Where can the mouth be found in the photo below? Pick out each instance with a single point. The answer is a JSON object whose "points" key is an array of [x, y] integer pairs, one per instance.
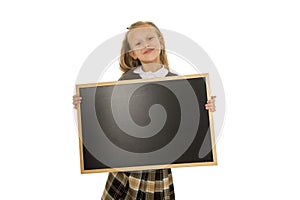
{"points": [[149, 50]]}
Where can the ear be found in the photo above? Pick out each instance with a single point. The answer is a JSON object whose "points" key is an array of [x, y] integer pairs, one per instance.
{"points": [[132, 55]]}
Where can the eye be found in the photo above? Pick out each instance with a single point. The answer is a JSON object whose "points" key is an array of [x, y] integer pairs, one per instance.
{"points": [[150, 38], [137, 44]]}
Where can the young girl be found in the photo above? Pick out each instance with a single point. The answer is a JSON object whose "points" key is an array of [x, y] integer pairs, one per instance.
{"points": [[143, 55]]}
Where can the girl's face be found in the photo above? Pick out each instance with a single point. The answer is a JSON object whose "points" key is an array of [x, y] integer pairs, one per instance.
{"points": [[145, 44]]}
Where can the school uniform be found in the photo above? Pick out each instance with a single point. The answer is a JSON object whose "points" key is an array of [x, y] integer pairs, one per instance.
{"points": [[141, 185]]}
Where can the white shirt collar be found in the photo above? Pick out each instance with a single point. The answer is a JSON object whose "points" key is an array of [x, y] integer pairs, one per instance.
{"points": [[162, 72]]}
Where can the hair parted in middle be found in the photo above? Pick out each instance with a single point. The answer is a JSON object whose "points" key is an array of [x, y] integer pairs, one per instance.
{"points": [[126, 61]]}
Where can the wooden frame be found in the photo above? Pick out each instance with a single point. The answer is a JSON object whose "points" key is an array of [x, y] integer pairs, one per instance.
{"points": [[93, 149]]}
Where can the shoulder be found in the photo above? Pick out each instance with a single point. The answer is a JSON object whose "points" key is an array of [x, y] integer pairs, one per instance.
{"points": [[172, 74], [129, 75]]}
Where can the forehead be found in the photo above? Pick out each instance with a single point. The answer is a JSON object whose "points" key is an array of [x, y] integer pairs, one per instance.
{"points": [[141, 32]]}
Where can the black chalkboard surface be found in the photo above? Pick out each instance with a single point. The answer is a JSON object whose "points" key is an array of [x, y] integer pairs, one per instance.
{"points": [[145, 124]]}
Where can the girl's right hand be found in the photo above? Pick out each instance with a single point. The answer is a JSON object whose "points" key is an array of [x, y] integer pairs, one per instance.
{"points": [[76, 101]]}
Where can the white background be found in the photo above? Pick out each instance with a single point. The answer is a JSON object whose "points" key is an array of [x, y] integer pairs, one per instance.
{"points": [[255, 46]]}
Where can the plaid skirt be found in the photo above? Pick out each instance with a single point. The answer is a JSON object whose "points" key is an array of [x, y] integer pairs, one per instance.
{"points": [[141, 185]]}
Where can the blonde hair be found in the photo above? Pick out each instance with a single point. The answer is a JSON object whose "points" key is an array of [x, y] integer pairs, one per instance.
{"points": [[127, 62]]}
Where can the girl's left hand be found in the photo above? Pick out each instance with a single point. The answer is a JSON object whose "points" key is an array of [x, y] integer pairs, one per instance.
{"points": [[210, 106]]}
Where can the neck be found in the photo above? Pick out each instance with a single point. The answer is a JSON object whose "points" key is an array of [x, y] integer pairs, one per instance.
{"points": [[151, 67]]}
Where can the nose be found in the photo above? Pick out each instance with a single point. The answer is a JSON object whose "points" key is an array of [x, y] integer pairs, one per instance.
{"points": [[146, 44]]}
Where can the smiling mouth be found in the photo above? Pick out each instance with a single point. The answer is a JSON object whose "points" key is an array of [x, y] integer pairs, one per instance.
{"points": [[148, 51]]}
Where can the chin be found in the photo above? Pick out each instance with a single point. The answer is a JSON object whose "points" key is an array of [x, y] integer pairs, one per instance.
{"points": [[151, 59]]}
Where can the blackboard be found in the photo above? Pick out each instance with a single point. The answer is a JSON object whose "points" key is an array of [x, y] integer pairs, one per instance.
{"points": [[145, 124]]}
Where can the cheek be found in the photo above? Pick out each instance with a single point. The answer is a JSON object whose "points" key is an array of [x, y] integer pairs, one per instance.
{"points": [[138, 53], [156, 44]]}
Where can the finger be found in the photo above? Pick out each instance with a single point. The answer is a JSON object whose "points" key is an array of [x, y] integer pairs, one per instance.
{"points": [[211, 100], [77, 98], [209, 107], [76, 102], [210, 104]]}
